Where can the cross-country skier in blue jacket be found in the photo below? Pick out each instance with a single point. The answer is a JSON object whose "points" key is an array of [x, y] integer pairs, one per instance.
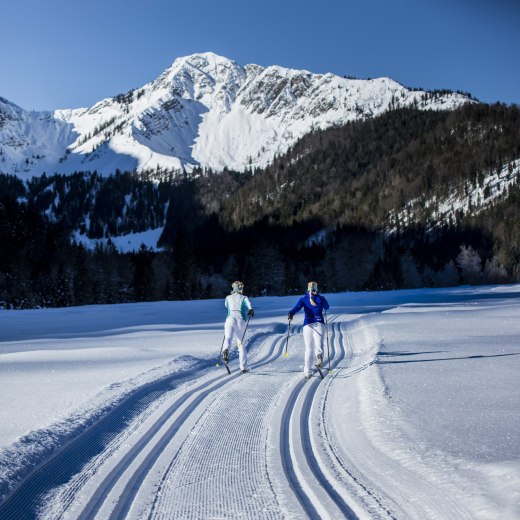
{"points": [[313, 305]]}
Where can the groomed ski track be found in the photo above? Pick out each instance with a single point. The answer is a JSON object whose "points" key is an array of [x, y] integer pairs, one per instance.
{"points": [[266, 444]]}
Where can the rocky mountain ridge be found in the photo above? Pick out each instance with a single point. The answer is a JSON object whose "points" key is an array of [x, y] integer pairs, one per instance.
{"points": [[204, 111]]}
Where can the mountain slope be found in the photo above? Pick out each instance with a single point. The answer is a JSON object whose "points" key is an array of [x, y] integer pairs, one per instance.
{"points": [[363, 172], [382, 203], [206, 111]]}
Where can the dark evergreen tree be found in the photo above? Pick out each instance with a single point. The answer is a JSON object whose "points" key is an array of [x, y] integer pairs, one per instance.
{"points": [[143, 281], [184, 269]]}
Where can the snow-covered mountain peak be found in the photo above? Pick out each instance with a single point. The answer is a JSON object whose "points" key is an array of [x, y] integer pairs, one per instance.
{"points": [[204, 110], [206, 62], [8, 111], [5, 103], [196, 77]]}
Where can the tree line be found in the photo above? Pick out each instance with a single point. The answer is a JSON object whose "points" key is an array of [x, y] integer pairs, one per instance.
{"points": [[320, 211]]}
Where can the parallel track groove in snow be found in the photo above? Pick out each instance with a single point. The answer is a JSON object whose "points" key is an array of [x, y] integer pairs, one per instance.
{"points": [[335, 460], [287, 459], [26, 500], [386, 487], [231, 468], [264, 445], [309, 449], [108, 483], [296, 446]]}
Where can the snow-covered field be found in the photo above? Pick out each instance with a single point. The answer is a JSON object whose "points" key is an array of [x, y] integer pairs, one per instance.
{"points": [[124, 414]]}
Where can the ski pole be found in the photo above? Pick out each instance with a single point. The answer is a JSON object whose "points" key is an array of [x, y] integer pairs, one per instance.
{"points": [[287, 342], [327, 332], [245, 330], [221, 347]]}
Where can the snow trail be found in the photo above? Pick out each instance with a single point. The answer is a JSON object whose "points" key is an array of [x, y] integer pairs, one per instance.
{"points": [[206, 450], [391, 480], [268, 444]]}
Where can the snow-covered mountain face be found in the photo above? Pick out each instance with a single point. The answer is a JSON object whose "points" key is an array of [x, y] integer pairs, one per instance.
{"points": [[205, 110], [32, 142]]}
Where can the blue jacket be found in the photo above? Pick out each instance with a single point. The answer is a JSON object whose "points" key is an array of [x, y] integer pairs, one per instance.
{"points": [[313, 313]]}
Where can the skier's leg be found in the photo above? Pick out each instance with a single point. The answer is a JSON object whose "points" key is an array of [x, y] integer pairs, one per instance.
{"points": [[243, 353], [240, 328], [228, 336], [229, 332], [319, 337], [309, 350]]}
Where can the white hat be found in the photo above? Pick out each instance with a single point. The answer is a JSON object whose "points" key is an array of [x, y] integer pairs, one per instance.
{"points": [[237, 286]]}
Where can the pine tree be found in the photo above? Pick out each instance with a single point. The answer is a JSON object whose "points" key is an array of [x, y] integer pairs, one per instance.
{"points": [[143, 280], [470, 264]]}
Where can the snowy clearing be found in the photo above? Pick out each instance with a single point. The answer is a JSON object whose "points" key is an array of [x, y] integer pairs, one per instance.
{"points": [[120, 412]]}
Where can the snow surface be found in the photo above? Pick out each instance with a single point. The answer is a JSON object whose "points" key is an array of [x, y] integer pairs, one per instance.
{"points": [[417, 419], [129, 243]]}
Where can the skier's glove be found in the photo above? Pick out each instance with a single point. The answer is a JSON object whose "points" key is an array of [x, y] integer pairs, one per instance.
{"points": [[251, 312], [289, 316]]}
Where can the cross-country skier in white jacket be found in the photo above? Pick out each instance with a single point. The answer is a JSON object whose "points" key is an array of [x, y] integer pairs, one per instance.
{"points": [[239, 308]]}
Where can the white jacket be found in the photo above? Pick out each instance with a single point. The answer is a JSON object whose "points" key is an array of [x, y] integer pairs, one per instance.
{"points": [[237, 305]]}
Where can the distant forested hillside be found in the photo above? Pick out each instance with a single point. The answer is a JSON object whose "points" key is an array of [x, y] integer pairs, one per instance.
{"points": [[356, 174], [402, 200]]}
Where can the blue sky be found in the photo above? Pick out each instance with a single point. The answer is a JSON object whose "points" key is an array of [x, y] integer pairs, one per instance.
{"points": [[73, 53]]}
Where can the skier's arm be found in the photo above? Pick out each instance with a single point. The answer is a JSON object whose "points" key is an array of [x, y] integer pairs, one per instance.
{"points": [[326, 305], [296, 308], [226, 303], [250, 311]]}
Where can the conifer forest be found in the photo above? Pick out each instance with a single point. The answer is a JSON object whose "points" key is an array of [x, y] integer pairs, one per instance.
{"points": [[403, 200]]}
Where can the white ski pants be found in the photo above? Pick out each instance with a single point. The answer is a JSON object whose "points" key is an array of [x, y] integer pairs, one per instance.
{"points": [[234, 330], [314, 337]]}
